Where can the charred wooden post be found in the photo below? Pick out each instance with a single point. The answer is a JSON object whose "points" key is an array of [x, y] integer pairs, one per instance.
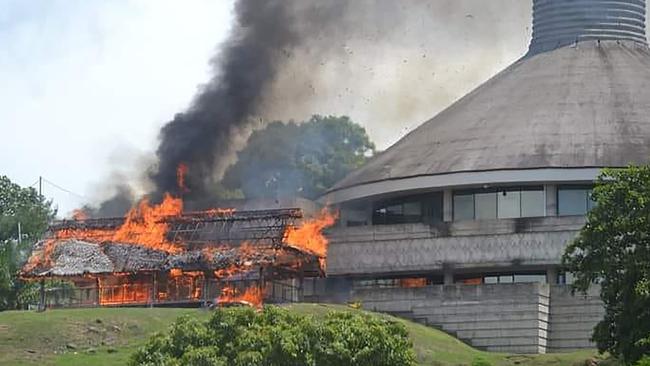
{"points": [[41, 303]]}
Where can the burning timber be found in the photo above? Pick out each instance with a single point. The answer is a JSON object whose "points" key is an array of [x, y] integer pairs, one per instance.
{"points": [[200, 257]]}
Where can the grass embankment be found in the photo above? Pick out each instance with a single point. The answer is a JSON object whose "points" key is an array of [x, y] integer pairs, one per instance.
{"points": [[107, 336]]}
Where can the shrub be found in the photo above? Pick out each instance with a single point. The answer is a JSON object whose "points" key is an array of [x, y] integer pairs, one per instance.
{"points": [[480, 362], [644, 361], [275, 337]]}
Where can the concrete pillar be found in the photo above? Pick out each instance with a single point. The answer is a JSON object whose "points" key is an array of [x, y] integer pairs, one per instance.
{"points": [[448, 274], [447, 205], [551, 199], [551, 275]]}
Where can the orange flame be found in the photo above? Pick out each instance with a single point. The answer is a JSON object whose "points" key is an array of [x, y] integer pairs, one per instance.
{"points": [[253, 296], [143, 226], [309, 236], [181, 172], [79, 214]]}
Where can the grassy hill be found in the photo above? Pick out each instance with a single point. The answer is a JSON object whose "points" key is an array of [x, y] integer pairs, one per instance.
{"points": [[107, 336]]}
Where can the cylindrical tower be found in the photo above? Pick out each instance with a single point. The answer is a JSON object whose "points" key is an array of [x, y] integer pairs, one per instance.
{"points": [[558, 23]]}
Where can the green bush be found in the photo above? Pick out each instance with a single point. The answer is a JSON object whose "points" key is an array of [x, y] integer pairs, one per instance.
{"points": [[277, 337], [480, 362], [644, 361]]}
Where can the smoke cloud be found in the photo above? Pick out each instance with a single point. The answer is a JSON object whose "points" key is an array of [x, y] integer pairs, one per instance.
{"points": [[389, 65]]}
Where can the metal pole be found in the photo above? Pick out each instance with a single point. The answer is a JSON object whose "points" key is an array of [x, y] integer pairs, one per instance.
{"points": [[40, 185], [20, 233]]}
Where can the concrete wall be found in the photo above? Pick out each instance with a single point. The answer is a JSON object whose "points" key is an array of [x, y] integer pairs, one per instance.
{"points": [[499, 318], [572, 318], [517, 318], [368, 250]]}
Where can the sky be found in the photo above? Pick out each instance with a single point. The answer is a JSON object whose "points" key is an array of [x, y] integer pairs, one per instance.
{"points": [[86, 85]]}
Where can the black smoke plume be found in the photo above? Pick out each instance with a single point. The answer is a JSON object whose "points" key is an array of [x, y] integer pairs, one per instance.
{"points": [[264, 36], [387, 64]]}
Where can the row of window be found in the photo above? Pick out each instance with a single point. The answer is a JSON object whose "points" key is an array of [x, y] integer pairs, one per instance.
{"points": [[503, 203], [484, 204], [507, 203]]}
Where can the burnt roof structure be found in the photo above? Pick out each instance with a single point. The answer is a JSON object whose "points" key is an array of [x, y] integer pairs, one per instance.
{"points": [[207, 241], [580, 98]]}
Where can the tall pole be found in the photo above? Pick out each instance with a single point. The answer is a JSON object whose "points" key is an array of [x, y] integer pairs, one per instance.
{"points": [[20, 234], [41, 306]]}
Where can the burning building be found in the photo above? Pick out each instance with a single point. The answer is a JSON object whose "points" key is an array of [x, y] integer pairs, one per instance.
{"points": [[462, 223], [159, 255]]}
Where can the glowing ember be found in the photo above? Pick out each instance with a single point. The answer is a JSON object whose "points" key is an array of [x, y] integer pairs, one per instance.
{"points": [[309, 236], [413, 282], [123, 292], [253, 296]]}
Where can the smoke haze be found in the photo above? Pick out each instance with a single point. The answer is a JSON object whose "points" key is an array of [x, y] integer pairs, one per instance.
{"points": [[389, 65]]}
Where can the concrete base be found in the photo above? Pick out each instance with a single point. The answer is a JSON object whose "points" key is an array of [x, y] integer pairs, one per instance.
{"points": [[514, 318]]}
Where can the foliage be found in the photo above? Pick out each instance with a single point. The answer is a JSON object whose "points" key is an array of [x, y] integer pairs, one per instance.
{"points": [[613, 249], [645, 361], [480, 362], [33, 212], [276, 336], [299, 159]]}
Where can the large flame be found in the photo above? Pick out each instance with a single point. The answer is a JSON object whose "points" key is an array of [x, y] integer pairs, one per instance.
{"points": [[309, 235], [143, 225], [253, 296]]}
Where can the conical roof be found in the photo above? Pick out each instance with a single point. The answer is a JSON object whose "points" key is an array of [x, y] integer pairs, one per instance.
{"points": [[586, 104]]}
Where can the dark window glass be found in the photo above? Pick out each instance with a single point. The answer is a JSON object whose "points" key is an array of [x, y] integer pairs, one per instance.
{"points": [[463, 207], [574, 200], [411, 209]]}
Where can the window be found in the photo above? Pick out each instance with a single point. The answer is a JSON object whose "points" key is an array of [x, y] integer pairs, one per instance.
{"points": [[574, 200], [503, 203], [463, 207], [485, 206], [533, 203], [411, 209], [509, 204]]}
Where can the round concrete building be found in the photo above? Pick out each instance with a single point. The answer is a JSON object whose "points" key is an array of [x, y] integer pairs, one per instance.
{"points": [[478, 203]]}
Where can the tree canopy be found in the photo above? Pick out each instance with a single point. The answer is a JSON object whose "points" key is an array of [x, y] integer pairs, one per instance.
{"points": [[33, 212], [299, 159], [613, 249], [277, 337]]}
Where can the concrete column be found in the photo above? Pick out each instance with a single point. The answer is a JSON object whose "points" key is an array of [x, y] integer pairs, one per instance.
{"points": [[448, 274], [551, 199], [551, 275], [447, 205]]}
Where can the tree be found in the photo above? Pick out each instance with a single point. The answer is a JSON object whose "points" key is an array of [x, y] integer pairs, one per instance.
{"points": [[277, 337], [613, 249], [289, 159], [33, 212]]}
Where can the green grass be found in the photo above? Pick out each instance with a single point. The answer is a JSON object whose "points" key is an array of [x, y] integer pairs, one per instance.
{"points": [[107, 336], [99, 336]]}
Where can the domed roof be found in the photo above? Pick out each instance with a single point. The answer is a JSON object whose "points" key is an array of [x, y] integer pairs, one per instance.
{"points": [[582, 106]]}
